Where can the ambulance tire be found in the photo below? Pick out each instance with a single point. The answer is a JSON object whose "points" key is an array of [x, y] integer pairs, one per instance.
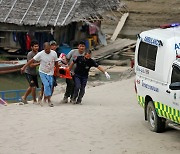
{"points": [[156, 124]]}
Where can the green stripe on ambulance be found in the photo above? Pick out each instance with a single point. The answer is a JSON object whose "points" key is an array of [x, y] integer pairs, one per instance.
{"points": [[163, 110]]}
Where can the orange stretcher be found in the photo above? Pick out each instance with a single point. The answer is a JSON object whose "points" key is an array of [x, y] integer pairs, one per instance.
{"points": [[64, 72]]}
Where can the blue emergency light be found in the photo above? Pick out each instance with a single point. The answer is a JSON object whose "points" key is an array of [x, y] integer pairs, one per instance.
{"points": [[175, 25], [170, 25]]}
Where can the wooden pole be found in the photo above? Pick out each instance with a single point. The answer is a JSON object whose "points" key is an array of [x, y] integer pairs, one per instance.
{"points": [[119, 26]]}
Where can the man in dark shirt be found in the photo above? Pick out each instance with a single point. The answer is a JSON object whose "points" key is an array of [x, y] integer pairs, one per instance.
{"points": [[73, 54], [81, 72], [31, 73]]}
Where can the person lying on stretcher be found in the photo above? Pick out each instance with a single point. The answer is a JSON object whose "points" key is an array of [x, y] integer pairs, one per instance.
{"points": [[63, 69]]}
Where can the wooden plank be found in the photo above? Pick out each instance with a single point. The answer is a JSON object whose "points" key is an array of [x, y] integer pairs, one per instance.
{"points": [[115, 62], [119, 26], [12, 50], [13, 56], [116, 47]]}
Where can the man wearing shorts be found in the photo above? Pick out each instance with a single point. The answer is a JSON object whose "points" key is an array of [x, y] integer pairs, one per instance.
{"points": [[53, 46], [48, 59], [31, 74]]}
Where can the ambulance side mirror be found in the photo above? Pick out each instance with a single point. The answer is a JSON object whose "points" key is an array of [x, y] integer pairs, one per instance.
{"points": [[174, 86]]}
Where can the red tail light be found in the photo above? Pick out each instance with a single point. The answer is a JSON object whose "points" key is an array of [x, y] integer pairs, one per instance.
{"points": [[177, 56]]}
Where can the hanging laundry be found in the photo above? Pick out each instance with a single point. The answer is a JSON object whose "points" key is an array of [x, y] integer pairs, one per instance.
{"points": [[28, 42], [93, 28], [14, 36], [84, 28], [42, 37], [21, 37]]}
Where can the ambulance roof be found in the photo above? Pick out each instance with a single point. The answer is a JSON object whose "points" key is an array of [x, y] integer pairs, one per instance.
{"points": [[162, 34]]}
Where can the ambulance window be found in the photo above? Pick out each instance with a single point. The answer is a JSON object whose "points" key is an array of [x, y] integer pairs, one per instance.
{"points": [[147, 55], [175, 74]]}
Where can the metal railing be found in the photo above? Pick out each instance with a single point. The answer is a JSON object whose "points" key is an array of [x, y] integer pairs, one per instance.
{"points": [[14, 95]]}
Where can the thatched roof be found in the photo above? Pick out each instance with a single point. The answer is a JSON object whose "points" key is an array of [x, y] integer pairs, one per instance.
{"points": [[53, 12]]}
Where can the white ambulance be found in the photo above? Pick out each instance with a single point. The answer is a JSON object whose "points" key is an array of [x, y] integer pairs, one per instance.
{"points": [[157, 83]]}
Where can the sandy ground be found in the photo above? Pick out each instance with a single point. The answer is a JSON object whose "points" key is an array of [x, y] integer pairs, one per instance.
{"points": [[109, 122]]}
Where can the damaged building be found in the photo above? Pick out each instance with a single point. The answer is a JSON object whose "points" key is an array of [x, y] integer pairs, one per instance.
{"points": [[66, 21]]}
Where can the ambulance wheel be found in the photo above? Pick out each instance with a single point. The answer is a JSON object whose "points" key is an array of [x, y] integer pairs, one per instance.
{"points": [[156, 124]]}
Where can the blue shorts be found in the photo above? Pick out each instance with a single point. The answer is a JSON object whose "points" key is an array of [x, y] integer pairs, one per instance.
{"points": [[47, 81]]}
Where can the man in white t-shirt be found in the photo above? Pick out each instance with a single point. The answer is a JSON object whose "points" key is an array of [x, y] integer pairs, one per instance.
{"points": [[48, 59]]}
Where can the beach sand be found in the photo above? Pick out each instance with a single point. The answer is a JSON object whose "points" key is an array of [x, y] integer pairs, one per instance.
{"points": [[110, 121]]}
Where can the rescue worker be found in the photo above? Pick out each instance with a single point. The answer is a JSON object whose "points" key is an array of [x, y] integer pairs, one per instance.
{"points": [[31, 74], [48, 59], [83, 65], [53, 46], [72, 55]]}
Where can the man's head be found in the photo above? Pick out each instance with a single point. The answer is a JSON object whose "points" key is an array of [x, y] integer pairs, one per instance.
{"points": [[34, 46], [53, 45], [87, 54], [47, 47], [81, 47]]}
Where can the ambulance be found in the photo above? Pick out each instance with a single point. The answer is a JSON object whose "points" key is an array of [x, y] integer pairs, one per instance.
{"points": [[157, 82]]}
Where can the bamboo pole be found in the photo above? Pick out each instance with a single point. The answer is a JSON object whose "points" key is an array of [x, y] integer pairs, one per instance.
{"points": [[59, 13], [42, 11], [10, 10]]}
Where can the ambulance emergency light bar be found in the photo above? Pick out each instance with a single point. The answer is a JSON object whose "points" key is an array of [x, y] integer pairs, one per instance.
{"points": [[169, 25]]}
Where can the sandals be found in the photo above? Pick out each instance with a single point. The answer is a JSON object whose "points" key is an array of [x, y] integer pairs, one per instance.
{"points": [[23, 100], [51, 105], [40, 98]]}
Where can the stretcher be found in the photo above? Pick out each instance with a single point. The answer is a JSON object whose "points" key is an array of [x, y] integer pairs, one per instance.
{"points": [[64, 72]]}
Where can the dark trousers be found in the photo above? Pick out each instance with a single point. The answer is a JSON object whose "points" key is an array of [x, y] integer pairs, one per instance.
{"points": [[69, 88], [79, 89]]}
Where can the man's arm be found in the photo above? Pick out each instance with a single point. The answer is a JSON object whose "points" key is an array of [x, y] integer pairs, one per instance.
{"points": [[29, 57], [57, 68], [94, 64], [69, 55], [73, 62], [102, 70], [34, 64], [71, 65], [27, 64]]}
